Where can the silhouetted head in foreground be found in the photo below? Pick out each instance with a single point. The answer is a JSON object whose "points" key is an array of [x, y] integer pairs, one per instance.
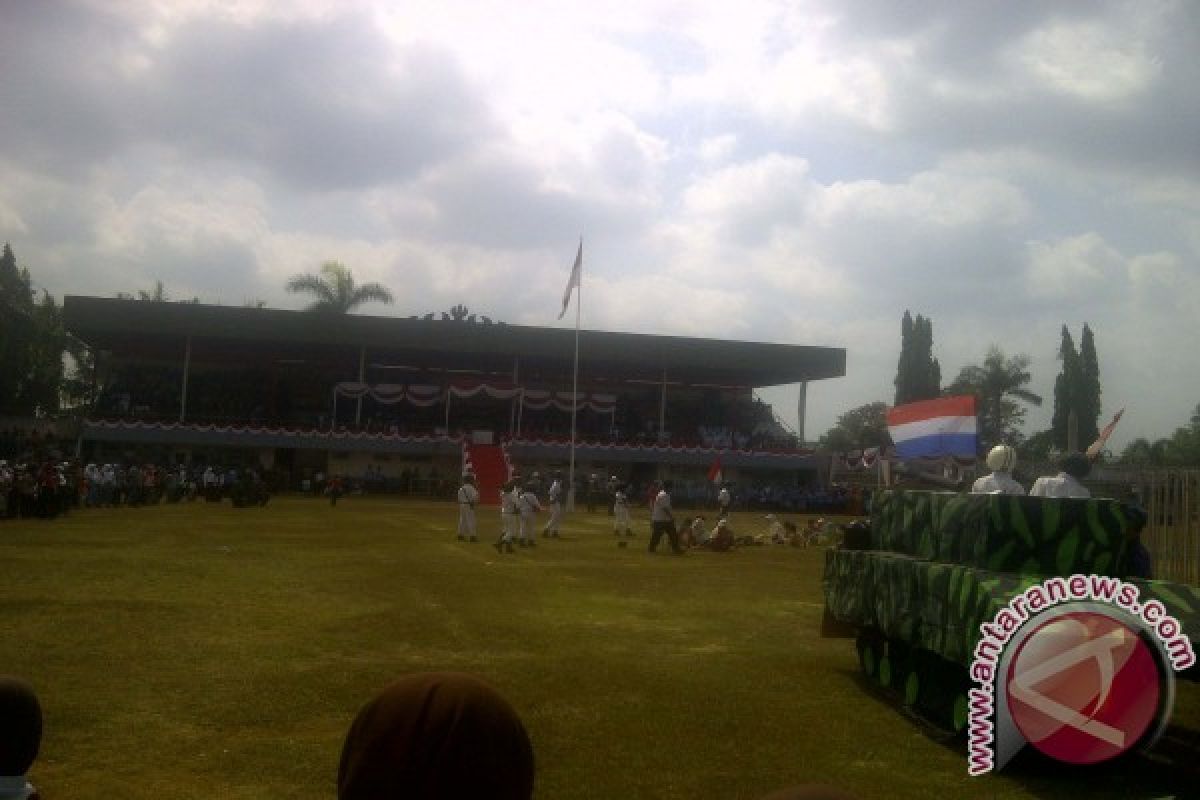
{"points": [[20, 726], [436, 735]]}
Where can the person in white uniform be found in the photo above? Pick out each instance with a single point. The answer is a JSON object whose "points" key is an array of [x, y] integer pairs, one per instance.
{"points": [[556, 510], [1073, 468], [620, 507], [724, 501], [468, 497], [1000, 460], [527, 508], [508, 517]]}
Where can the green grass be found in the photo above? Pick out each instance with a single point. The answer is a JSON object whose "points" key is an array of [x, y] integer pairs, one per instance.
{"points": [[201, 651]]}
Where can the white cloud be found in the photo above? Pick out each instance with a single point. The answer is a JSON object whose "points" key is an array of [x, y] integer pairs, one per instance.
{"points": [[1072, 268], [1095, 61]]}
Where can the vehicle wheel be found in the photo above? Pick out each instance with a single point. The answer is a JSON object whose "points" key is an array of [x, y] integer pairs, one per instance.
{"points": [[870, 650]]}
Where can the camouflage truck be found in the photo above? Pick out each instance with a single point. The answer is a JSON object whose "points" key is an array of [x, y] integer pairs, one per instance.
{"points": [[939, 564]]}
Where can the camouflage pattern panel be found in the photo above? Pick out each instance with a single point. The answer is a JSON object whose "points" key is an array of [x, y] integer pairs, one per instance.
{"points": [[1051, 536], [902, 522], [895, 596], [978, 596], [850, 585], [885, 516], [920, 520], [958, 522], [933, 605]]}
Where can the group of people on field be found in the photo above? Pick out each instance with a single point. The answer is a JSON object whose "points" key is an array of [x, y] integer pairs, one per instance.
{"points": [[47, 488]]}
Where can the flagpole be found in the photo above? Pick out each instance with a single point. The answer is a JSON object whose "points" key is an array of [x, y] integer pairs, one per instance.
{"points": [[575, 384]]}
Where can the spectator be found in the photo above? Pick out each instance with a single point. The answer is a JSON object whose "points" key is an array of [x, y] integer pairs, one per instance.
{"points": [[436, 735]]}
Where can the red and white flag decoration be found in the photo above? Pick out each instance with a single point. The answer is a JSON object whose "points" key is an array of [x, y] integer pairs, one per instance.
{"points": [[574, 281], [1093, 452], [714, 472]]}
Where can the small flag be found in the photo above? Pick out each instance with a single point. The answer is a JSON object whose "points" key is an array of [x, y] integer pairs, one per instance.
{"points": [[576, 276], [714, 472], [944, 426], [1102, 439]]}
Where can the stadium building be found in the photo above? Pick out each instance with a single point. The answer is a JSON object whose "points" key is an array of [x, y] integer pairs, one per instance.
{"points": [[406, 402]]}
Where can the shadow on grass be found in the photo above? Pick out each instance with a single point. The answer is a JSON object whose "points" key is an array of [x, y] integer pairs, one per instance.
{"points": [[1170, 769]]}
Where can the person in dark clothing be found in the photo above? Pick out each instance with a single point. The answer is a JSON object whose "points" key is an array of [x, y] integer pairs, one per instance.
{"points": [[662, 520], [20, 737], [436, 735]]}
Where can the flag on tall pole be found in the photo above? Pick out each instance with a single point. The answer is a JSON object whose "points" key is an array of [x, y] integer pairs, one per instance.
{"points": [[574, 281]]}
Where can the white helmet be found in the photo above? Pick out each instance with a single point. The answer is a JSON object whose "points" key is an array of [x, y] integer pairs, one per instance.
{"points": [[1001, 458]]}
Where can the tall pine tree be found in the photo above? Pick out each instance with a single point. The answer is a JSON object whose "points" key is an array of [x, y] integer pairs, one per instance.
{"points": [[1065, 389], [918, 373], [1087, 404], [1077, 388]]}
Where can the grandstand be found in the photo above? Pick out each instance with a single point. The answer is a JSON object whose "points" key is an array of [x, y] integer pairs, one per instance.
{"points": [[408, 401]]}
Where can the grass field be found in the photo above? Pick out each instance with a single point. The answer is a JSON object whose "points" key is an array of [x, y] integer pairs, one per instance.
{"points": [[201, 651]]}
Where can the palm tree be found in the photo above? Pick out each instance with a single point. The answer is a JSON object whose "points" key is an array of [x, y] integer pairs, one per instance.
{"points": [[998, 385], [335, 290]]}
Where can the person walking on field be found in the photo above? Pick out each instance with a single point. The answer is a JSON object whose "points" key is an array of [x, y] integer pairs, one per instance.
{"points": [[334, 488], [468, 496], [508, 517], [620, 511], [724, 501], [662, 520], [556, 490], [527, 507]]}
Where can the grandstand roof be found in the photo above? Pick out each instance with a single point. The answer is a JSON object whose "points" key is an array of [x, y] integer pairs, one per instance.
{"points": [[221, 333]]}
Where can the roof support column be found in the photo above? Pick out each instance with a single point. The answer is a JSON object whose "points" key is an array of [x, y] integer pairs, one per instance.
{"points": [[662, 408], [187, 364], [362, 375], [512, 404], [801, 407]]}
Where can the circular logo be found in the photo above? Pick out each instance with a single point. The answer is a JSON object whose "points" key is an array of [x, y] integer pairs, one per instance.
{"points": [[1084, 687]]}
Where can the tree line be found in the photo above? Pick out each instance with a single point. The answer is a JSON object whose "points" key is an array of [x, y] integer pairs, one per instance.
{"points": [[1002, 397]]}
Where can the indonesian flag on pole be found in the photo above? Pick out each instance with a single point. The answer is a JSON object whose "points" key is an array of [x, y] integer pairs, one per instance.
{"points": [[714, 472], [574, 280], [944, 426]]}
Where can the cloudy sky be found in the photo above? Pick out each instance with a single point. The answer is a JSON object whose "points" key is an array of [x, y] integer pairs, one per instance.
{"points": [[797, 172]]}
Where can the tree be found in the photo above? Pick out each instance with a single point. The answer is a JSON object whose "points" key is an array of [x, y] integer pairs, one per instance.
{"points": [[1087, 402], [335, 290], [918, 374], [16, 329], [999, 389], [1037, 449], [1077, 390], [31, 343], [1181, 450], [1066, 387], [1144, 453], [859, 428]]}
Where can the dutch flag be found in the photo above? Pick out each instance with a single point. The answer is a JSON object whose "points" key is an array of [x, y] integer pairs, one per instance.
{"points": [[944, 426]]}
